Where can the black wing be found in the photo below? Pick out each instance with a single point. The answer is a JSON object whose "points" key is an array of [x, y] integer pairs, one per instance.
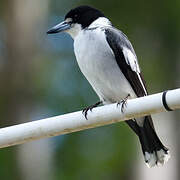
{"points": [[126, 59]]}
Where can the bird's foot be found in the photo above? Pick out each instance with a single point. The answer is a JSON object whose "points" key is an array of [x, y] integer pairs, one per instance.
{"points": [[123, 103], [85, 110]]}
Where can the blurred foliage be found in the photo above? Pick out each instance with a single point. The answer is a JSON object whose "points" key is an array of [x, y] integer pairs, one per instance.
{"points": [[8, 164], [52, 84], [101, 153]]}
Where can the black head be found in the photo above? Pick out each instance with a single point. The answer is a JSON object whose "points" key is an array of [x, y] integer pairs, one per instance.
{"points": [[77, 19], [84, 15]]}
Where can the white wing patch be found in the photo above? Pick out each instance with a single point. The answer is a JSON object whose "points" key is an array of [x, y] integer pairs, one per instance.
{"points": [[131, 60]]}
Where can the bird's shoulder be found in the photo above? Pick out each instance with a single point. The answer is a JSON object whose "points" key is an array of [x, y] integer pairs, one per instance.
{"points": [[122, 47], [118, 38]]}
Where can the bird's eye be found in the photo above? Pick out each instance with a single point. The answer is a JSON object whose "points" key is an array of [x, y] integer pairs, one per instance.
{"points": [[75, 17]]}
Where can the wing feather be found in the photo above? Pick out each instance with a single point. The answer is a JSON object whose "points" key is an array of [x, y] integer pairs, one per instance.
{"points": [[126, 59]]}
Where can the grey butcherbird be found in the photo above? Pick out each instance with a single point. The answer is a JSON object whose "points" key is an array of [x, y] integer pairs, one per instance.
{"points": [[108, 61]]}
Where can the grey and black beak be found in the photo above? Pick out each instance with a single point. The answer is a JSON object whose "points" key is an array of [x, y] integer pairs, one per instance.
{"points": [[63, 26]]}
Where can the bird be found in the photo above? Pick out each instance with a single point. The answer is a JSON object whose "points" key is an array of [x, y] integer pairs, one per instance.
{"points": [[107, 59]]}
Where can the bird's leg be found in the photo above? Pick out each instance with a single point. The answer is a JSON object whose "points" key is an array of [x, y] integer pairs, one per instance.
{"points": [[123, 102], [85, 110]]}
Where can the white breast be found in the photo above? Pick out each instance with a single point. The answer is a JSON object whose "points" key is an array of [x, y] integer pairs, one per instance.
{"points": [[97, 62]]}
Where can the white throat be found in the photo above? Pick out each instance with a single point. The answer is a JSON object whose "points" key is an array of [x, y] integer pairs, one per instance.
{"points": [[74, 31], [100, 22]]}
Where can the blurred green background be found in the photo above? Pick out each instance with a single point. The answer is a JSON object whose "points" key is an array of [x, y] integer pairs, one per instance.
{"points": [[39, 78]]}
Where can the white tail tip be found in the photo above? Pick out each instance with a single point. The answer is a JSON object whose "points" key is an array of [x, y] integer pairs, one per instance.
{"points": [[156, 158]]}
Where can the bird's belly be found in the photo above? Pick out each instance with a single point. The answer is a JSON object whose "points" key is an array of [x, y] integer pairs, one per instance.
{"points": [[100, 68]]}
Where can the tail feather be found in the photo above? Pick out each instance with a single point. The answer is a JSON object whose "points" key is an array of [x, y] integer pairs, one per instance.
{"points": [[154, 151]]}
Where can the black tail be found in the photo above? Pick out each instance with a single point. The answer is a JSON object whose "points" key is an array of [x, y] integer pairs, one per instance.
{"points": [[154, 151]]}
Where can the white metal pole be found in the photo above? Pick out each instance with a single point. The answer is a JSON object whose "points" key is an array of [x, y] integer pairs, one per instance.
{"points": [[76, 121]]}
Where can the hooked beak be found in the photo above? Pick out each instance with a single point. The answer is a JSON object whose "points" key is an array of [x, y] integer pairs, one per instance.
{"points": [[63, 26]]}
